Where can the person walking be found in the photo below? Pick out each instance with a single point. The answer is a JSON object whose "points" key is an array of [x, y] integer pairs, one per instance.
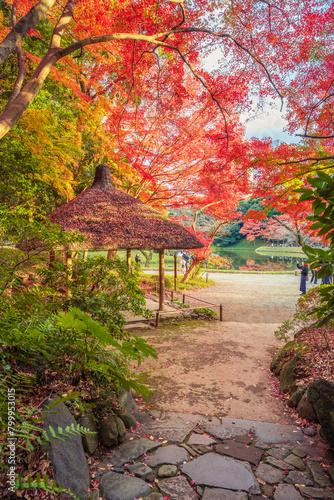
{"points": [[326, 280], [185, 257], [182, 265], [303, 277], [137, 259]]}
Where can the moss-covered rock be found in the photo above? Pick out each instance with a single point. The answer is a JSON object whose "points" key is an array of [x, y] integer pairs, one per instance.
{"points": [[279, 360], [296, 396], [287, 379], [321, 394], [305, 409], [127, 418]]}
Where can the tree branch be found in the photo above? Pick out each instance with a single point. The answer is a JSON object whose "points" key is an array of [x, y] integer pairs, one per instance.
{"points": [[315, 136], [297, 232], [21, 64], [24, 25]]}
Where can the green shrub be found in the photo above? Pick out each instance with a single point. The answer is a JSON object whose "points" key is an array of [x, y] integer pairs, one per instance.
{"points": [[75, 344], [105, 289], [153, 281], [204, 311], [303, 317]]}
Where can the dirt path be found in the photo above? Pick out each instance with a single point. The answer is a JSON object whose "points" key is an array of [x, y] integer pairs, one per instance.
{"points": [[252, 298], [222, 369]]}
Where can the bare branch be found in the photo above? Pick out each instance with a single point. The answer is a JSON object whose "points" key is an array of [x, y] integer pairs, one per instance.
{"points": [[316, 160], [241, 47], [296, 233], [315, 136]]}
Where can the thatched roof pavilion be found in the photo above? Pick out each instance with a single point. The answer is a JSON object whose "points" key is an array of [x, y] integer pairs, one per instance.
{"points": [[113, 220]]}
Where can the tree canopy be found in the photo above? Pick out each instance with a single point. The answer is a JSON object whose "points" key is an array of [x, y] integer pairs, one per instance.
{"points": [[157, 90]]}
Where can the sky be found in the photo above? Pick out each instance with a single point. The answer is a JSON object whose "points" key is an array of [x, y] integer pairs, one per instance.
{"points": [[270, 123]]}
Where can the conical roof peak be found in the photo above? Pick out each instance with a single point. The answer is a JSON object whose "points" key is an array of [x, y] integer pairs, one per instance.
{"points": [[102, 178]]}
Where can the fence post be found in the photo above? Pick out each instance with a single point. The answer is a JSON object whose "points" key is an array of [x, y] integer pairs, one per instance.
{"points": [[207, 277], [157, 319], [183, 298], [172, 295], [221, 312]]}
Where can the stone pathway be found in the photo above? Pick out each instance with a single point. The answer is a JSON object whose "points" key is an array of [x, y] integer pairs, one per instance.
{"points": [[184, 456], [176, 456]]}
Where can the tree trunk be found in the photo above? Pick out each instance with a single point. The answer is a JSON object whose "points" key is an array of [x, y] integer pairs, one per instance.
{"points": [[148, 256], [192, 269], [111, 254], [15, 110], [25, 24]]}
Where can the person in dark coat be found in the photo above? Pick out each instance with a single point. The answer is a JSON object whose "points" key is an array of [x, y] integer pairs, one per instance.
{"points": [[137, 259], [314, 276], [303, 277], [325, 279]]}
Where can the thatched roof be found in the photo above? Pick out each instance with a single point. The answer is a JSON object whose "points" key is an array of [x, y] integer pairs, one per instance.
{"points": [[111, 219]]}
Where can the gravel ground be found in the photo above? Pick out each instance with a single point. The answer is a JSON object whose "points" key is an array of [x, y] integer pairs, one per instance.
{"points": [[252, 298]]}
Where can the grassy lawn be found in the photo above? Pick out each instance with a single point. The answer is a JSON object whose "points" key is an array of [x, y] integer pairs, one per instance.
{"points": [[243, 244], [287, 251], [151, 282], [169, 259]]}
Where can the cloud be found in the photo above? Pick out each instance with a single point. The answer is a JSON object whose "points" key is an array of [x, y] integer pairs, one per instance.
{"points": [[269, 124]]}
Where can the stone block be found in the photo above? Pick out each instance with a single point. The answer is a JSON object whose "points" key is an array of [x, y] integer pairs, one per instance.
{"points": [[115, 486], [90, 441], [321, 394], [221, 472], [67, 454], [305, 409], [112, 431]]}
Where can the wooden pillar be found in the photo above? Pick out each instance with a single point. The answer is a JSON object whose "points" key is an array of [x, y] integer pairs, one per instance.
{"points": [[85, 254], [175, 270], [161, 279], [52, 257], [128, 259], [111, 254], [69, 264]]}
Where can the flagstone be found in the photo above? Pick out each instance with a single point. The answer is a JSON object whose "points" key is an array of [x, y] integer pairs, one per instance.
{"points": [[287, 492], [217, 471], [220, 494], [115, 486], [269, 474], [241, 451], [176, 488], [200, 439], [173, 455]]}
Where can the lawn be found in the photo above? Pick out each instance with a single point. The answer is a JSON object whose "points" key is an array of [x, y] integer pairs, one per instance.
{"points": [[169, 259], [286, 251]]}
